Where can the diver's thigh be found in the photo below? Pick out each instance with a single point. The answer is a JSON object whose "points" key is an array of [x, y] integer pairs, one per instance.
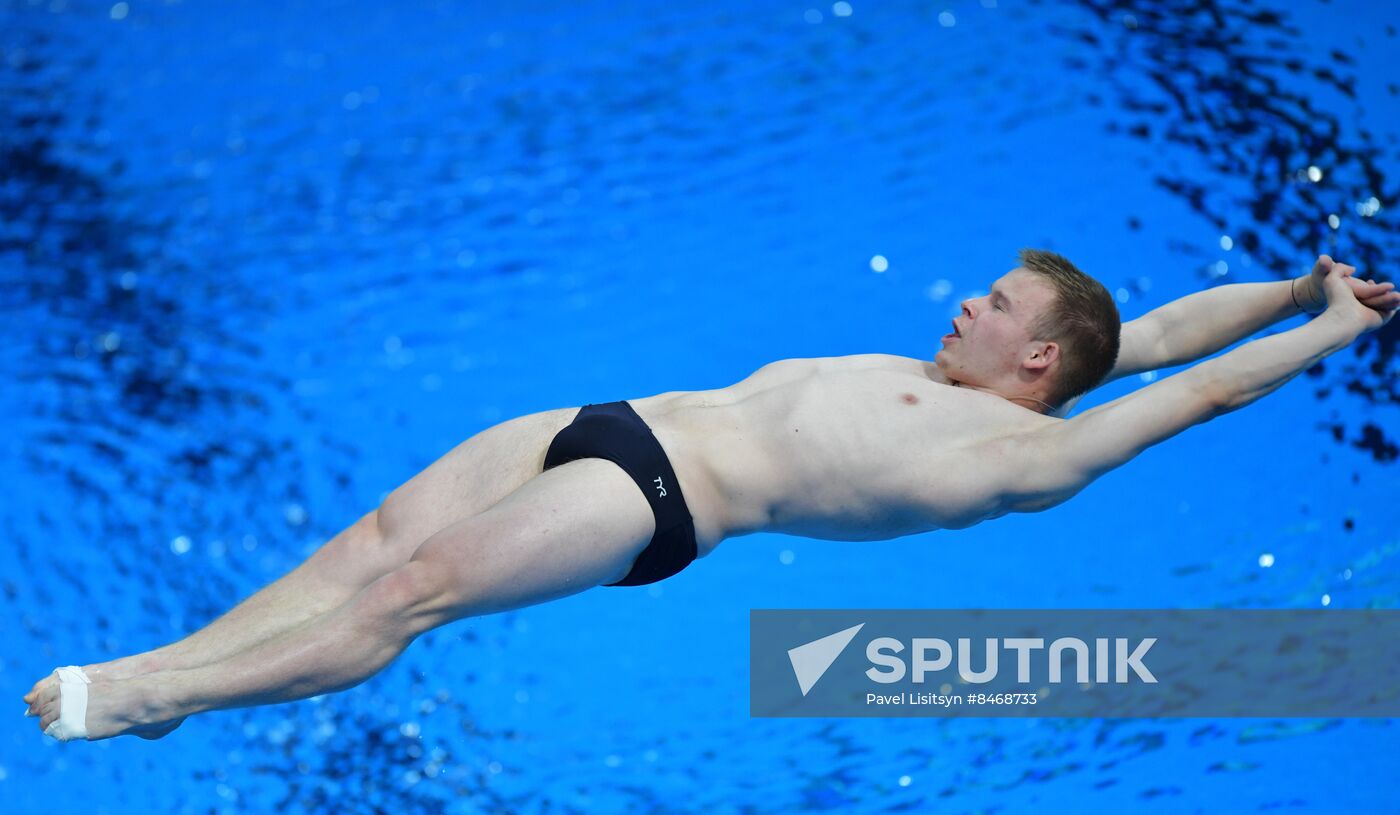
{"points": [[470, 478], [574, 527]]}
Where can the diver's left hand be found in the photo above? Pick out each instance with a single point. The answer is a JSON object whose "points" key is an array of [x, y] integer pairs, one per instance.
{"points": [[1345, 307], [1309, 292]]}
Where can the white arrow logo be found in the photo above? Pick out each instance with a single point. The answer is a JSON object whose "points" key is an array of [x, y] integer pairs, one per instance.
{"points": [[810, 661]]}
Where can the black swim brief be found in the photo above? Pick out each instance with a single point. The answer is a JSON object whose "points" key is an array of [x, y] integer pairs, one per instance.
{"points": [[615, 432]]}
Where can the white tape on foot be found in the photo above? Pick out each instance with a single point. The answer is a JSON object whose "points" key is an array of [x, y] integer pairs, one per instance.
{"points": [[72, 704]]}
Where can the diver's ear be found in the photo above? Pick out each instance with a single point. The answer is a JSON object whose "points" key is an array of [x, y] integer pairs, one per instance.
{"points": [[1042, 356]]}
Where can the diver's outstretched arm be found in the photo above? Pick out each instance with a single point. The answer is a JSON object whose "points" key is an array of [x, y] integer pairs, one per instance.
{"points": [[1199, 324], [1051, 464]]}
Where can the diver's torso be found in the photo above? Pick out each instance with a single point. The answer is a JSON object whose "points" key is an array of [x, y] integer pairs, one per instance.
{"points": [[864, 447]]}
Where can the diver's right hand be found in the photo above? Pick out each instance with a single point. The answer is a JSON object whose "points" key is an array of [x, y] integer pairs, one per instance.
{"points": [[1343, 303], [1308, 294]]}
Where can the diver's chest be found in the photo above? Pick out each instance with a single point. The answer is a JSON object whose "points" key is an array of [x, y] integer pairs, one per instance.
{"points": [[898, 421]]}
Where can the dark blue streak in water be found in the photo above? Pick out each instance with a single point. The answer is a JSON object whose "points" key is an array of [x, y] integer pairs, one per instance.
{"points": [[1236, 84], [138, 395]]}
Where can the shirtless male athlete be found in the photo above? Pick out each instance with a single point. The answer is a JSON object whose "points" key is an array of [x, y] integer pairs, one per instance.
{"points": [[865, 447]]}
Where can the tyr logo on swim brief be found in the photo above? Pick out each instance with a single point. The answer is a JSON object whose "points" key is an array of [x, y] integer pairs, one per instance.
{"points": [[660, 488]]}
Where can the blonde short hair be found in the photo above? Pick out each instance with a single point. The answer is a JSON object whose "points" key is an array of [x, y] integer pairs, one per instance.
{"points": [[1082, 318]]}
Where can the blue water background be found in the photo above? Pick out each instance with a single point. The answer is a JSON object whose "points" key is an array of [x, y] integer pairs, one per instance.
{"points": [[331, 241]]}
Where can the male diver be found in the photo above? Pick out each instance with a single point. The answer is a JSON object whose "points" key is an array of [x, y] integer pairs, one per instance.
{"points": [[864, 447]]}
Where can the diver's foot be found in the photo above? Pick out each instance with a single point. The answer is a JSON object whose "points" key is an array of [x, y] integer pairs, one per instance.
{"points": [[114, 708], [124, 668]]}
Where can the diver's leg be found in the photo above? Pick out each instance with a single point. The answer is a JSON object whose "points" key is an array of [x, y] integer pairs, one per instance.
{"points": [[571, 528], [464, 482], [342, 566], [338, 569]]}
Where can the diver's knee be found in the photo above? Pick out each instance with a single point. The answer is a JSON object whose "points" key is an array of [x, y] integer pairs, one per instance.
{"points": [[415, 597], [378, 520], [358, 555], [386, 516]]}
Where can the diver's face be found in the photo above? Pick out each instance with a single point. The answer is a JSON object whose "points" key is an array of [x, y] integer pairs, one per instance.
{"points": [[993, 332]]}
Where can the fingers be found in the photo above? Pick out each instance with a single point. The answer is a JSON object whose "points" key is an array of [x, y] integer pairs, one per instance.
{"points": [[1368, 288], [1325, 264], [1383, 301], [1338, 270], [1336, 287], [1379, 296]]}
